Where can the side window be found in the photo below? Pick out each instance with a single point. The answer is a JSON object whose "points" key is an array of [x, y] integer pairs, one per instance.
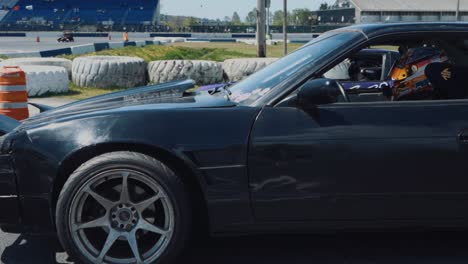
{"points": [[407, 69], [372, 64], [365, 74]]}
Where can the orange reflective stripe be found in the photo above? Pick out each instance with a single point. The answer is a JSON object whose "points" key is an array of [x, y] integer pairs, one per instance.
{"points": [[18, 114], [14, 97], [9, 77]]}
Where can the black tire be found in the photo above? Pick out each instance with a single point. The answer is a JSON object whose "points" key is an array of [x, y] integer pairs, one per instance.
{"points": [[171, 184]]}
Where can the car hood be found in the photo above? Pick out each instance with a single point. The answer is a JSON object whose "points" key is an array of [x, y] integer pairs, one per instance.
{"points": [[162, 96]]}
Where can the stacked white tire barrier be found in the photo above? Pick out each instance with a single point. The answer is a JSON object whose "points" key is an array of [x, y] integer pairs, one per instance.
{"points": [[109, 71], [202, 72], [238, 69], [45, 79], [58, 62]]}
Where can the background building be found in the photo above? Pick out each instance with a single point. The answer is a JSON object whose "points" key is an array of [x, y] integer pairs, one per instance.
{"points": [[346, 12], [336, 16], [389, 11]]}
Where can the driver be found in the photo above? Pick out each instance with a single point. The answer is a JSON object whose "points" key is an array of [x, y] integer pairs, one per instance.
{"points": [[409, 80]]}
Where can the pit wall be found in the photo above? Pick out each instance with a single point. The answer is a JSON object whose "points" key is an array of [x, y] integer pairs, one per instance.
{"points": [[292, 36]]}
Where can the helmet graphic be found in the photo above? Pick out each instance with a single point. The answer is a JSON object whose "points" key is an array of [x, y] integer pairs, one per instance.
{"points": [[409, 80]]}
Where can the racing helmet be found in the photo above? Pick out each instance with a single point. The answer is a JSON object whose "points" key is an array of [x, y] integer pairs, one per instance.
{"points": [[409, 81]]}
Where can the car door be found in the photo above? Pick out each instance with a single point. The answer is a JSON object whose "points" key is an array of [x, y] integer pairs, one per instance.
{"points": [[360, 161]]}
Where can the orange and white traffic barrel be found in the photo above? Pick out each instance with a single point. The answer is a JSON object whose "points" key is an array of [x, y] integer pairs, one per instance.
{"points": [[13, 93]]}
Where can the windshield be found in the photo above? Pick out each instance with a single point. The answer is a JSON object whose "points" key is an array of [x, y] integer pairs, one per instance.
{"points": [[264, 81]]}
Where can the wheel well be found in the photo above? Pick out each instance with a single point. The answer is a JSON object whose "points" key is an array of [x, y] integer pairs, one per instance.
{"points": [[197, 197]]}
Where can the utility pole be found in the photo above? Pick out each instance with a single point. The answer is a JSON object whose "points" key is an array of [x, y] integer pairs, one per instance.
{"points": [[285, 27], [261, 35], [268, 5], [458, 11]]}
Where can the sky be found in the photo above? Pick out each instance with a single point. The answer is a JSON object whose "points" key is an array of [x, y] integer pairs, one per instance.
{"points": [[220, 8]]}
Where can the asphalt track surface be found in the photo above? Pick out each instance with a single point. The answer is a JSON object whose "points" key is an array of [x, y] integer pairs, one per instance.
{"points": [[48, 41], [350, 248], [30, 44]]}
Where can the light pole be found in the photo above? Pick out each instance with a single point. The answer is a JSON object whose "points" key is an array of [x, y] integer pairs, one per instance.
{"points": [[268, 21], [261, 35], [268, 6], [458, 11], [285, 27]]}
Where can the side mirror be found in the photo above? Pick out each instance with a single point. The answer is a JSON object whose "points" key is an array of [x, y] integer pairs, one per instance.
{"points": [[318, 92]]}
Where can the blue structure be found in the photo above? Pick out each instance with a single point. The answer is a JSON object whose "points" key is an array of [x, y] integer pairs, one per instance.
{"points": [[119, 13]]}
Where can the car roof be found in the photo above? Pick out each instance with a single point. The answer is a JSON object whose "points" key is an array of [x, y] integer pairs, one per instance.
{"points": [[374, 30]]}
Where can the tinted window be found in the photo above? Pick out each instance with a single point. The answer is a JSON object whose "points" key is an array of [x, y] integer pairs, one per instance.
{"points": [[262, 82]]}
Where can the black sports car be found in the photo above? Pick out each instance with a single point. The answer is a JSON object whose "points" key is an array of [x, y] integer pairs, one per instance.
{"points": [[128, 177]]}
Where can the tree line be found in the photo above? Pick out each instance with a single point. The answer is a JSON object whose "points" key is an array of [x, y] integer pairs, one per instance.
{"points": [[296, 17]]}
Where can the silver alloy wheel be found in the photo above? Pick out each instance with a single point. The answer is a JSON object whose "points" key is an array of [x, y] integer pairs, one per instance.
{"points": [[121, 216]]}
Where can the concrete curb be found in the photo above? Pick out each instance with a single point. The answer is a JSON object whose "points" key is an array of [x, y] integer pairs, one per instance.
{"points": [[82, 49], [101, 46], [140, 43], [25, 54], [116, 45]]}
